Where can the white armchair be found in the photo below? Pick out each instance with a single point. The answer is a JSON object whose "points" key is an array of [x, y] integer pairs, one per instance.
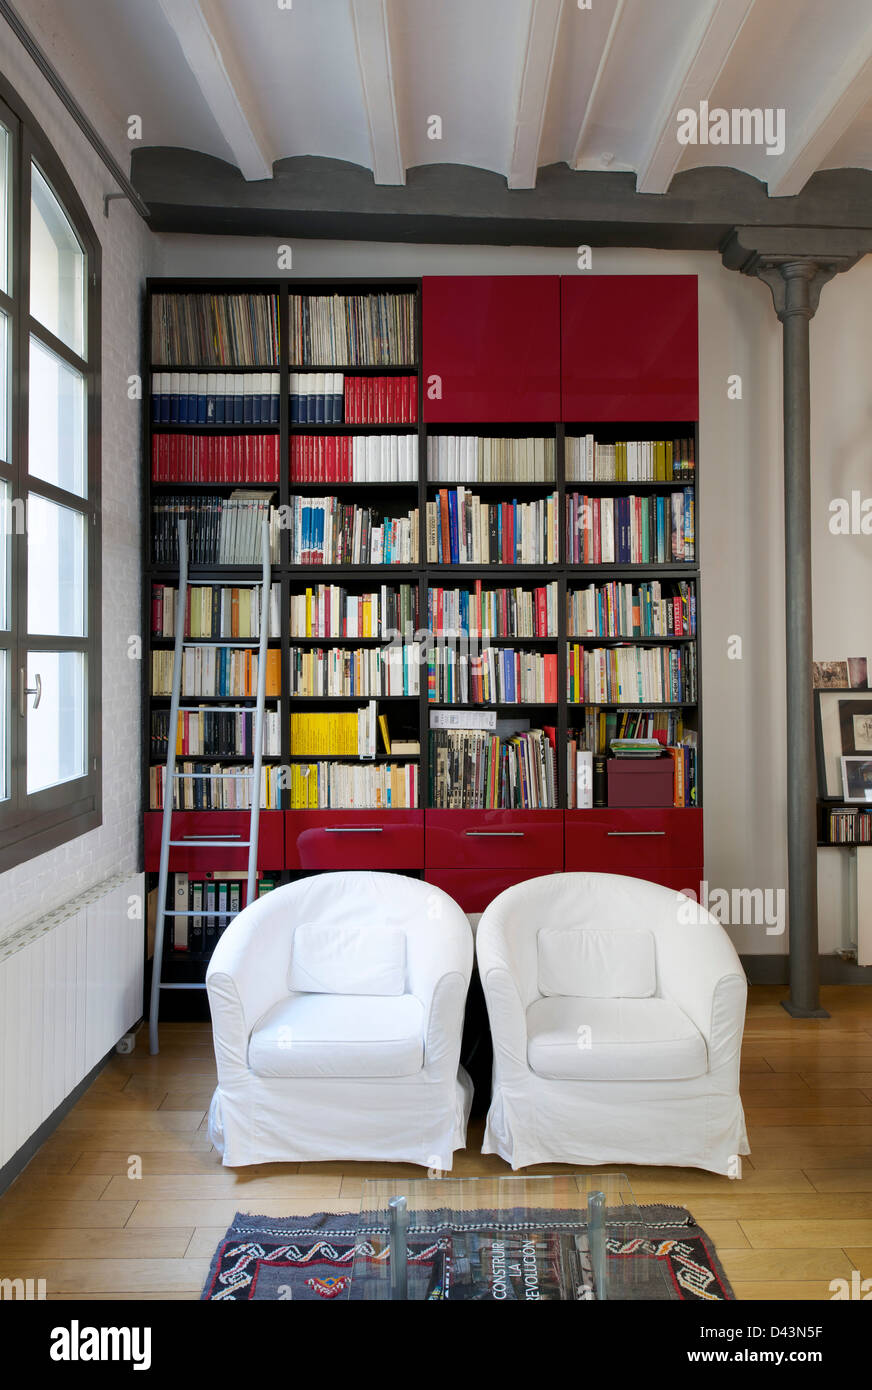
{"points": [[337, 1010], [616, 1008]]}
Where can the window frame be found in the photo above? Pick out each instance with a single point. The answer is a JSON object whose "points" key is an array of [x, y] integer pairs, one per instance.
{"points": [[32, 824]]}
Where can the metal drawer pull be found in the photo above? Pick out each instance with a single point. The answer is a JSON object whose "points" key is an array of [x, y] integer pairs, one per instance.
{"points": [[498, 834], [354, 829], [635, 832]]}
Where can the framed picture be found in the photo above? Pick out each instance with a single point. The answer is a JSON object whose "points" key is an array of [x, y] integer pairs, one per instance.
{"points": [[843, 728], [857, 779]]}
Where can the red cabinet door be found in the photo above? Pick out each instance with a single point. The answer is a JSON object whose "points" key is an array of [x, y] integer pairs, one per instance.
{"points": [[493, 343], [512, 840], [629, 347], [633, 841], [191, 828], [354, 840]]}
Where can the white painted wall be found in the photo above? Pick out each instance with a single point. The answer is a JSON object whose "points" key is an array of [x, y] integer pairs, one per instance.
{"points": [[49, 881], [741, 516]]}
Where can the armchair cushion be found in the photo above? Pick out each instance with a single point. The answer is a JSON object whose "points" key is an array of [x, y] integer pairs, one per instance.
{"points": [[613, 1040], [327, 958], [339, 1035], [596, 964]]}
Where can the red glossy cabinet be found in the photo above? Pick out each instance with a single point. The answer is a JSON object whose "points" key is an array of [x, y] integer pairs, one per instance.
{"points": [[354, 840], [474, 889], [629, 347], [189, 827], [513, 840], [643, 842], [493, 342]]}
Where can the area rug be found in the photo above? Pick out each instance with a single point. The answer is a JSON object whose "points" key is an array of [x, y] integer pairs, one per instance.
{"points": [[310, 1258]]}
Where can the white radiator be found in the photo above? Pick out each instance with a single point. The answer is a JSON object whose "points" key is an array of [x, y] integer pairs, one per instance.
{"points": [[70, 987]]}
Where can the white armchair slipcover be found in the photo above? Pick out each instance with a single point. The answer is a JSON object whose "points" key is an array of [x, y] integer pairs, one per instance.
{"points": [[337, 1009], [616, 1008]]}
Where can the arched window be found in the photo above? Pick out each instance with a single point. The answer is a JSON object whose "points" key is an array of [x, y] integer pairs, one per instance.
{"points": [[49, 498]]}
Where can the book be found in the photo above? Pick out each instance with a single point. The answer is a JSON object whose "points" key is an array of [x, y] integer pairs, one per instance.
{"points": [[474, 459], [464, 673], [343, 458], [357, 330], [344, 671], [196, 458], [334, 733], [634, 460], [214, 611], [325, 531], [462, 528], [221, 530], [222, 330], [180, 904], [631, 675], [345, 786], [498, 612], [211, 786], [630, 530], [331, 610], [473, 769], [214, 671]]}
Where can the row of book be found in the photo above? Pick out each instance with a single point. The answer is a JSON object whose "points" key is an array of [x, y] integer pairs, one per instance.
{"points": [[631, 675], [354, 786], [219, 458], [332, 398], [329, 610], [214, 611], [324, 531], [221, 530], [215, 733], [346, 671], [482, 612], [212, 786], [598, 729], [215, 398], [630, 530], [587, 775], [210, 902], [474, 769], [477, 459], [336, 733], [629, 461], [497, 675], [354, 330], [850, 827], [358, 458], [220, 330], [216, 671], [632, 610], [463, 529]]}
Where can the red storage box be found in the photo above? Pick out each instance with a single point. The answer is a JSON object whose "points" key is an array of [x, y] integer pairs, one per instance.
{"points": [[641, 781]]}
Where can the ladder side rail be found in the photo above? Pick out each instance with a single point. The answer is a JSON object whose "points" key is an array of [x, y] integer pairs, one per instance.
{"points": [[257, 770]]}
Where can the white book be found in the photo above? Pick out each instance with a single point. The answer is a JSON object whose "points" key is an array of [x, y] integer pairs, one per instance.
{"points": [[607, 530], [584, 779]]}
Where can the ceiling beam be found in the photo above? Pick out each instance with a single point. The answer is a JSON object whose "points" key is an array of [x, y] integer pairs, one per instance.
{"points": [[840, 101], [373, 48], [541, 46], [602, 66], [715, 38], [201, 31]]}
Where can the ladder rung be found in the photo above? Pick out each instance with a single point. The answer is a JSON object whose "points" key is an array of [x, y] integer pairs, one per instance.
{"points": [[224, 709], [211, 844], [252, 646], [225, 912], [210, 776], [193, 985]]}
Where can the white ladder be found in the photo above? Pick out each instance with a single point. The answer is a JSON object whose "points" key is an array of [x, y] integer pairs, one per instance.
{"points": [[172, 777]]}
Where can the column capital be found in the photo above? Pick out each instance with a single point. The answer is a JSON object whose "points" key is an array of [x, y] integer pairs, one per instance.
{"points": [[795, 262]]}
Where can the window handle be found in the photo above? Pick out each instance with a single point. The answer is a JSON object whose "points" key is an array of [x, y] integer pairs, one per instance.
{"points": [[24, 690]]}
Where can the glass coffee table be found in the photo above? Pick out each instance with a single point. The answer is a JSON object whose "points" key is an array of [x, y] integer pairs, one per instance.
{"points": [[570, 1237]]}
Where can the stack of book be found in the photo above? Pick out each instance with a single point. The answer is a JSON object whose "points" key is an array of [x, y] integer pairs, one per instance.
{"points": [[630, 610], [213, 611], [473, 459], [476, 769], [631, 675], [331, 398], [630, 530], [216, 733], [215, 398], [850, 827], [324, 531], [463, 529], [598, 727], [221, 530], [482, 612], [629, 461], [344, 671], [355, 330], [335, 733], [496, 675], [329, 610], [216, 671], [317, 398], [359, 458], [220, 458], [214, 787], [221, 330], [350, 786]]}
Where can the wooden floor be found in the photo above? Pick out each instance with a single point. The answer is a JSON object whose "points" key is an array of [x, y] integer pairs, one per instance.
{"points": [[800, 1217]]}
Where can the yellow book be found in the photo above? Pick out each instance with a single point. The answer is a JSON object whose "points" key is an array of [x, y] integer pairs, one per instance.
{"points": [[386, 738], [308, 627]]}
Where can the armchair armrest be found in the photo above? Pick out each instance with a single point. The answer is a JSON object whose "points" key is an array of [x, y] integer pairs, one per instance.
{"points": [[699, 970], [247, 975]]}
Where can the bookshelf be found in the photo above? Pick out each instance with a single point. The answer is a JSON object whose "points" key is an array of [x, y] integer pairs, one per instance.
{"points": [[491, 389]]}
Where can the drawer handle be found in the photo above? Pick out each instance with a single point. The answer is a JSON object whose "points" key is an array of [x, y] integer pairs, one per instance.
{"points": [[624, 833], [498, 834], [353, 829]]}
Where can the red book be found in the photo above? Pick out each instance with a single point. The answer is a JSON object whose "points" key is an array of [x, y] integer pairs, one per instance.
{"points": [[157, 610], [550, 677]]}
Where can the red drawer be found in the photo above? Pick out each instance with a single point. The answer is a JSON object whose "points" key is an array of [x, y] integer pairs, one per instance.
{"points": [[495, 839], [212, 825], [632, 840], [354, 839], [473, 889]]}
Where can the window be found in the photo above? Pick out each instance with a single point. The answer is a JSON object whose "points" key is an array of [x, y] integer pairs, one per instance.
{"points": [[49, 499]]}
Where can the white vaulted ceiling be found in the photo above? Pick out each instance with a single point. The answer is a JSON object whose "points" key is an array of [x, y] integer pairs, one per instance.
{"points": [[516, 84]]}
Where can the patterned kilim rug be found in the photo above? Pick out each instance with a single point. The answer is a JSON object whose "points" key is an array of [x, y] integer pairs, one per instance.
{"points": [[310, 1258]]}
